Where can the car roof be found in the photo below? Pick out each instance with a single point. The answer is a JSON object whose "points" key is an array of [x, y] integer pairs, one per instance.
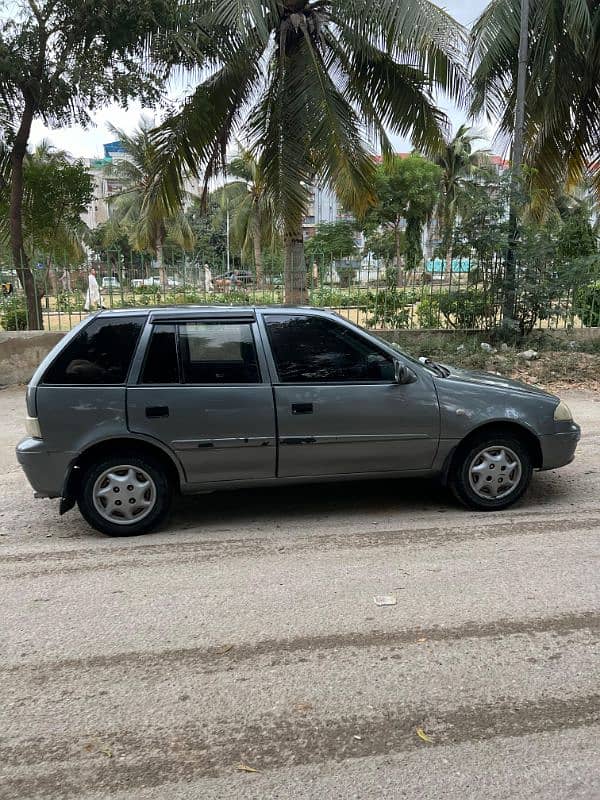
{"points": [[221, 310]]}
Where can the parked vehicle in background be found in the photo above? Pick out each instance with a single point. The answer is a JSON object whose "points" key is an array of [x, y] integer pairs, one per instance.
{"points": [[110, 283], [134, 406], [154, 280]]}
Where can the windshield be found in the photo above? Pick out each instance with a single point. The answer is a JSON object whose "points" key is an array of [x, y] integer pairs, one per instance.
{"points": [[395, 347]]}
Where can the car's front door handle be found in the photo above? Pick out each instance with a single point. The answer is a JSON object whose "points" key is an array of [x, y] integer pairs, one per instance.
{"points": [[153, 412], [302, 408]]}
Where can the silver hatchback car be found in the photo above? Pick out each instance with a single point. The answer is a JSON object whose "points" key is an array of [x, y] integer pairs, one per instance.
{"points": [[134, 406]]}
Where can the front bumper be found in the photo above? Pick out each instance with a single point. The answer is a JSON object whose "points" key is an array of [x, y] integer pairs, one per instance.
{"points": [[558, 449], [45, 471]]}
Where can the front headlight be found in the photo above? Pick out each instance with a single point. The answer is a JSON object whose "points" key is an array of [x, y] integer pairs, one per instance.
{"points": [[562, 413]]}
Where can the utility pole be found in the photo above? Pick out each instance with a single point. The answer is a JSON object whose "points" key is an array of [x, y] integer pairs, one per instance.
{"points": [[510, 274]]}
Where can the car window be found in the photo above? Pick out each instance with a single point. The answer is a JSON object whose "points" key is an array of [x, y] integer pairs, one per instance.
{"points": [[218, 352], [311, 349], [100, 353], [161, 364]]}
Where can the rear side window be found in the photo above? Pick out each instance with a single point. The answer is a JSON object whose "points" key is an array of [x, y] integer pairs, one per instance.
{"points": [[101, 353], [218, 352]]}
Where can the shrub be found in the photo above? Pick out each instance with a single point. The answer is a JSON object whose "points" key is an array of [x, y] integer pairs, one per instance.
{"points": [[587, 304], [390, 309], [70, 302], [472, 308], [428, 313], [13, 314], [346, 275]]}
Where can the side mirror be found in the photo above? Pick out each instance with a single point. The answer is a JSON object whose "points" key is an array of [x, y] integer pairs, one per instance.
{"points": [[403, 374]]}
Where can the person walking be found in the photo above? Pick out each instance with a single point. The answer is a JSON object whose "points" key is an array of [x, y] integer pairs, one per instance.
{"points": [[65, 280], [92, 297]]}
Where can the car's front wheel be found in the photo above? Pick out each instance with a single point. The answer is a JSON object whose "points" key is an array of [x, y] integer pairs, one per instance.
{"points": [[125, 495], [491, 472]]}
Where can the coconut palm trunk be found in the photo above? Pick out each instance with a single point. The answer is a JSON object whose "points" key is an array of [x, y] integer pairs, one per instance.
{"points": [[160, 263], [258, 261], [295, 291]]}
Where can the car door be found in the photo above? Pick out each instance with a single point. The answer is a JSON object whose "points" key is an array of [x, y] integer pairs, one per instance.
{"points": [[339, 408], [203, 390]]}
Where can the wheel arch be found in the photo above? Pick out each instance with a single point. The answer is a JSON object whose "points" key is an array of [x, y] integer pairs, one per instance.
{"points": [[524, 434], [108, 447]]}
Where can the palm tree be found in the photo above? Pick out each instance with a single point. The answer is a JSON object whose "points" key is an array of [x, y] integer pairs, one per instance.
{"points": [[62, 234], [459, 163], [305, 83], [562, 101], [250, 205], [147, 221]]}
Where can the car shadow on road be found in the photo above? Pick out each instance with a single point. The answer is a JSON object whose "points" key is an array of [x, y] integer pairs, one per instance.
{"points": [[382, 498]]}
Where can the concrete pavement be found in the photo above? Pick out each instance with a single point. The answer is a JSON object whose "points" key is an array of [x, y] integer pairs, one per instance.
{"points": [[245, 633]]}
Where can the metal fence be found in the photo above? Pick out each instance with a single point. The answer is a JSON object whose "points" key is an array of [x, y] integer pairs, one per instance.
{"points": [[463, 295]]}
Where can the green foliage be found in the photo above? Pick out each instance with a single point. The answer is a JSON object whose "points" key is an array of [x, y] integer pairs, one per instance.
{"points": [[562, 100], [346, 274], [390, 309], [72, 57], [13, 314], [208, 224], [111, 244], [70, 302], [471, 308], [587, 304], [407, 191], [326, 72], [334, 298], [56, 193], [576, 237], [382, 243], [428, 312], [142, 214], [335, 239]]}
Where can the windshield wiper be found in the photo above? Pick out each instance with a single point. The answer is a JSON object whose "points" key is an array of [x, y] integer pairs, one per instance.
{"points": [[436, 368]]}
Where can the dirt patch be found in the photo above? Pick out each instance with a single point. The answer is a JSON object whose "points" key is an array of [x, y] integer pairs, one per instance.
{"points": [[560, 370]]}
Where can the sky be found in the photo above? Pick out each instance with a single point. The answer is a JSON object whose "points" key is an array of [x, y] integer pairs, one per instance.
{"points": [[87, 143]]}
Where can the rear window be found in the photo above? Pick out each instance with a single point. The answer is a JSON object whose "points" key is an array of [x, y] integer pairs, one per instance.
{"points": [[101, 353]]}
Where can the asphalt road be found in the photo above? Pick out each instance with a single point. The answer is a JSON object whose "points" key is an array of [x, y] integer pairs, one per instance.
{"points": [[246, 634]]}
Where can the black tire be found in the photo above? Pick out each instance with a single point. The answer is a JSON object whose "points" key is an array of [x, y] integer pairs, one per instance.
{"points": [[159, 495], [458, 477]]}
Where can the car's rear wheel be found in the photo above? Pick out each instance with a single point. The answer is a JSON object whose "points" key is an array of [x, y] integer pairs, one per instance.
{"points": [[125, 495], [491, 472]]}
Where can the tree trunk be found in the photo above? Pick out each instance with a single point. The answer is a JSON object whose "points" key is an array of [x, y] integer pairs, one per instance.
{"points": [[162, 272], [20, 260], [296, 292], [510, 273], [258, 265], [398, 255]]}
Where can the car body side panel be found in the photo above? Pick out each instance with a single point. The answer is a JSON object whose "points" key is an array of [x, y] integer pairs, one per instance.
{"points": [[73, 417], [220, 433], [356, 428], [465, 406]]}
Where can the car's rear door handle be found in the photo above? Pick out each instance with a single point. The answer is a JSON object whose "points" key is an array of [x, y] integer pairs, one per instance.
{"points": [[302, 408], [153, 412]]}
